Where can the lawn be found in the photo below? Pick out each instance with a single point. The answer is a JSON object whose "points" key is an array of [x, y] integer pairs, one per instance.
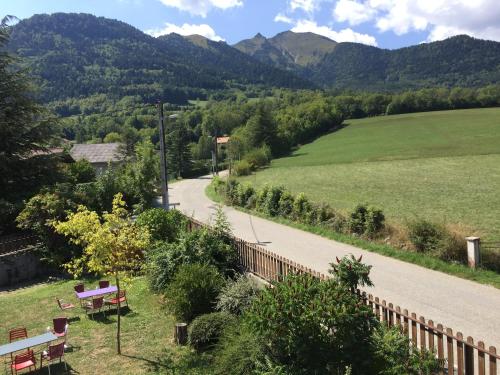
{"points": [[147, 345], [438, 165]]}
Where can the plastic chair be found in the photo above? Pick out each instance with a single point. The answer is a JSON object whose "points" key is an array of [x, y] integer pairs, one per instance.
{"points": [[54, 352], [103, 284], [120, 297], [23, 361], [96, 304], [64, 305]]}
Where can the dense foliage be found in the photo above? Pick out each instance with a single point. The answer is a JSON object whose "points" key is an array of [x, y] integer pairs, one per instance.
{"points": [[193, 290], [162, 225], [238, 295], [205, 330]]}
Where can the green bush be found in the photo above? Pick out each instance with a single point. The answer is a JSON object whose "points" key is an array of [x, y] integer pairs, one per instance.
{"points": [[260, 202], [453, 247], [310, 324], [425, 236], [161, 264], [237, 295], [242, 168], [163, 225], [319, 214], [301, 208], [231, 191], [286, 204], [394, 355], [271, 204], [205, 330], [193, 290], [246, 196], [258, 157], [366, 221], [239, 351]]}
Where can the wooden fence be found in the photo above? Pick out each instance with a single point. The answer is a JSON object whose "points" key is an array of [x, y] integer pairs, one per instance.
{"points": [[459, 355], [19, 242]]}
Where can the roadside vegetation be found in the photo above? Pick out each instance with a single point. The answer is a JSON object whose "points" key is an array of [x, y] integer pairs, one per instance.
{"points": [[425, 243]]}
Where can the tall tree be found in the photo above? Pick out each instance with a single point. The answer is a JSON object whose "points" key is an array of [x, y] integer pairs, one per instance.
{"points": [[261, 127], [179, 156], [26, 131], [113, 245]]}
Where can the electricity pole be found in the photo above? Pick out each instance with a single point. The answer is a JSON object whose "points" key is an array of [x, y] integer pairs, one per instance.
{"points": [[163, 160], [216, 158]]}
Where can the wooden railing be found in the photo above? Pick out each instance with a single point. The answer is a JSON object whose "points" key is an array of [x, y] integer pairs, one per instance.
{"points": [[458, 354]]}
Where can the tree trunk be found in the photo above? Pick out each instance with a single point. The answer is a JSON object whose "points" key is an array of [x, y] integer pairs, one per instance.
{"points": [[118, 347], [180, 333]]}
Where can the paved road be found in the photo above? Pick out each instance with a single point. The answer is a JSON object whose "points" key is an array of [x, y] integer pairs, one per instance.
{"points": [[462, 305]]}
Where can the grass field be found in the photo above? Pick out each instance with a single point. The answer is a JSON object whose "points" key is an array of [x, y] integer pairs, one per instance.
{"points": [[443, 166], [147, 329]]}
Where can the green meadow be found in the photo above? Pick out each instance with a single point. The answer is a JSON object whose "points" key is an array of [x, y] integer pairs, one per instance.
{"points": [[443, 166]]}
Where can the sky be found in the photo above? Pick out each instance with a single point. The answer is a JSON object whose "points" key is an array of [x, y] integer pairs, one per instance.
{"points": [[384, 23]]}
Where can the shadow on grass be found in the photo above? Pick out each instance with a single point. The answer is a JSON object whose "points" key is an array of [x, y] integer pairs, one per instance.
{"points": [[170, 362], [56, 368]]}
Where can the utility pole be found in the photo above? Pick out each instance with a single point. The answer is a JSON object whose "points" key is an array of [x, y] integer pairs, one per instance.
{"points": [[216, 154], [163, 160]]}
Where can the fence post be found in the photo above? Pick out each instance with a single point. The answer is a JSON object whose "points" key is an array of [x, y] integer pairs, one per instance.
{"points": [[473, 251]]}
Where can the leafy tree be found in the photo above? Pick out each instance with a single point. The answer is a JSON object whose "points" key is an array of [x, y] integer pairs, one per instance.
{"points": [[26, 132], [81, 171], [113, 245], [178, 152]]}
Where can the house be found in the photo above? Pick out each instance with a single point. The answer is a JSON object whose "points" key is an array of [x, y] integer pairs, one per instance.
{"points": [[100, 155]]}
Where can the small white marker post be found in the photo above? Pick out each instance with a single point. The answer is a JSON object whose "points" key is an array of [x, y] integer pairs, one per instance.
{"points": [[473, 252]]}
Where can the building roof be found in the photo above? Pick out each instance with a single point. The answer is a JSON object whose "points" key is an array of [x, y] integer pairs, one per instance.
{"points": [[222, 140], [97, 153]]}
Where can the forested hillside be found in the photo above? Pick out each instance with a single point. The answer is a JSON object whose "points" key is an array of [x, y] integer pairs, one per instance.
{"points": [[78, 55]]}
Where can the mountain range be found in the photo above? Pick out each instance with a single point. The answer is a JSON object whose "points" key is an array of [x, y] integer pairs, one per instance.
{"points": [[77, 55]]}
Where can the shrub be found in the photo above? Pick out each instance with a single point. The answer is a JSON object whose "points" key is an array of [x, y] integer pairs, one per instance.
{"points": [[246, 196], [366, 221], [425, 236], [205, 330], [453, 247], [338, 223], [219, 185], [161, 264], [271, 203], [242, 168], [258, 157], [238, 351], [162, 225], [311, 324], [260, 202], [286, 204], [394, 355], [237, 295], [193, 291], [319, 214], [351, 273], [231, 192], [301, 207]]}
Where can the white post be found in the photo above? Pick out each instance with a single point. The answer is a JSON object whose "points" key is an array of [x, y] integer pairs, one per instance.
{"points": [[473, 252]]}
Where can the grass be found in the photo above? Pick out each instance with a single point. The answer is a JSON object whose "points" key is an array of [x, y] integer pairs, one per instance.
{"points": [[441, 166], [147, 346], [198, 103], [480, 275]]}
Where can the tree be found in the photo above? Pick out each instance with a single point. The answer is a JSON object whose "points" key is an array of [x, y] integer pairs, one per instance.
{"points": [[261, 127], [178, 151], [26, 132], [113, 245]]}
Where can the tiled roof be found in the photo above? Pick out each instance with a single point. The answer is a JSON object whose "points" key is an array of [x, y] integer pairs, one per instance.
{"points": [[97, 153]]}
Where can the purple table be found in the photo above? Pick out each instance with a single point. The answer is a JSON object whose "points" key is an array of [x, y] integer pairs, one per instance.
{"points": [[96, 292]]}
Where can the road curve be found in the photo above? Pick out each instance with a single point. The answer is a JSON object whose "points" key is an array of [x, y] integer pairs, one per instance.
{"points": [[462, 305]]}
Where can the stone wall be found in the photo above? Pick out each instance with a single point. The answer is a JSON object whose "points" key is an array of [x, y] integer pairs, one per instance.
{"points": [[20, 266]]}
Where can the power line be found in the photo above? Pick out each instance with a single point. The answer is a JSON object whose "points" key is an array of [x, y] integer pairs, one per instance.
{"points": [[129, 109]]}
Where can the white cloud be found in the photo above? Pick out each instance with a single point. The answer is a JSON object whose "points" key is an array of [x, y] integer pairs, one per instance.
{"points": [[202, 7], [344, 35], [280, 17], [353, 12], [441, 18], [306, 5], [187, 29]]}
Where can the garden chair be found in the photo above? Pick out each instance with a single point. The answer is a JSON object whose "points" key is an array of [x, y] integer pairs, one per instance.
{"points": [[60, 326], [17, 334], [53, 353], [120, 297], [64, 305], [79, 288], [23, 361], [96, 304], [103, 284]]}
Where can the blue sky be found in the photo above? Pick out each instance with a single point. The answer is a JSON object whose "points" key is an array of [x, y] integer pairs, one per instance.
{"points": [[384, 23]]}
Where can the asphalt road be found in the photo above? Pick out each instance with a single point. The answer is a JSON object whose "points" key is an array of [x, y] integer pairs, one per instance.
{"points": [[462, 305]]}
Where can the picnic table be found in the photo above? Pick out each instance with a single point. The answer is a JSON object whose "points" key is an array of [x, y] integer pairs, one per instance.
{"points": [[97, 292], [29, 342]]}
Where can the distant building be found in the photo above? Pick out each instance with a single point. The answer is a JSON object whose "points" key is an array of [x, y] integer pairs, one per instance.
{"points": [[222, 140], [100, 155]]}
